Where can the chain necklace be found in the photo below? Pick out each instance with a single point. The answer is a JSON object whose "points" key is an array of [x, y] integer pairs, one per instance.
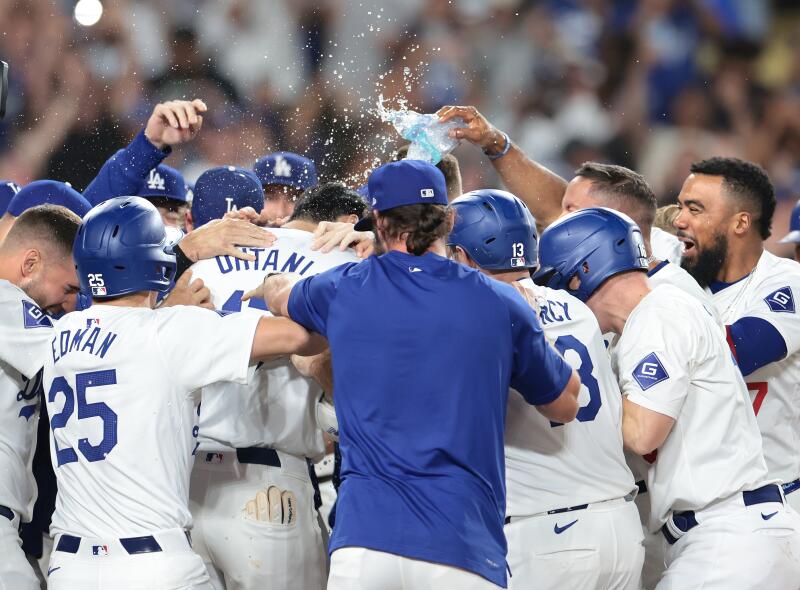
{"points": [[726, 315]]}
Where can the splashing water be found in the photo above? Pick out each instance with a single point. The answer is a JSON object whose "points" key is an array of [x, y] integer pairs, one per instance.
{"points": [[430, 140]]}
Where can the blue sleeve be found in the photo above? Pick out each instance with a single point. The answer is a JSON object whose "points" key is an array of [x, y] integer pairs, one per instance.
{"points": [[539, 373], [124, 171], [755, 343], [311, 298]]}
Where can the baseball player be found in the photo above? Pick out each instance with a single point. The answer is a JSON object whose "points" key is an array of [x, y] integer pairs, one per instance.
{"points": [[547, 194], [421, 394], [793, 237], [726, 214], [36, 277], [42, 192], [251, 493], [119, 381], [726, 525], [570, 517], [284, 176], [171, 123]]}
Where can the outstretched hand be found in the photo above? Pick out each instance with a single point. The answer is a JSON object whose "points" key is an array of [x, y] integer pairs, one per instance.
{"points": [[175, 122], [478, 130]]}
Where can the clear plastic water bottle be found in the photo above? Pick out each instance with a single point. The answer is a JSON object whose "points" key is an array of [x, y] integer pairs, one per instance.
{"points": [[429, 139]]}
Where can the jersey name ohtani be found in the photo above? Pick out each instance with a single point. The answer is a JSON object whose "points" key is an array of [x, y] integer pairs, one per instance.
{"points": [[273, 261]]}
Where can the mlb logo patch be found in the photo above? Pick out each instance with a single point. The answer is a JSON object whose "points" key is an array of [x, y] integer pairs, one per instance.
{"points": [[213, 458], [100, 550], [34, 317], [649, 372], [426, 193], [781, 301], [99, 291], [517, 262], [92, 322]]}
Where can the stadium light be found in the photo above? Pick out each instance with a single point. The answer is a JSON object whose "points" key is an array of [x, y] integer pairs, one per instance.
{"points": [[88, 12]]}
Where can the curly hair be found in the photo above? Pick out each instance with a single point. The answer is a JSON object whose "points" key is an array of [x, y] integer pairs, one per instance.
{"points": [[744, 181], [418, 225]]}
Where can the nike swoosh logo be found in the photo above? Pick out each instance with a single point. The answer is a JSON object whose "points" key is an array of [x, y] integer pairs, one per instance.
{"points": [[560, 529], [768, 516], [52, 569]]}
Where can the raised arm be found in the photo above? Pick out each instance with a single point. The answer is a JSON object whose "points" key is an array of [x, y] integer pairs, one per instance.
{"points": [[171, 123], [277, 337], [540, 189]]}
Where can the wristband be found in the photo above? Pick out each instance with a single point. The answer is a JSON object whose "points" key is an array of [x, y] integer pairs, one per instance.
{"points": [[504, 150]]}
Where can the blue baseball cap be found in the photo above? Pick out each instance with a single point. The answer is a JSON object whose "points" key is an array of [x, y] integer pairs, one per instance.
{"points": [[48, 192], [164, 182], [406, 182], [7, 191], [225, 189], [793, 237], [287, 169]]}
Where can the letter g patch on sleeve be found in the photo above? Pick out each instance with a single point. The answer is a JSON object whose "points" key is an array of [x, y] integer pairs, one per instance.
{"points": [[649, 372], [33, 317], [781, 300]]}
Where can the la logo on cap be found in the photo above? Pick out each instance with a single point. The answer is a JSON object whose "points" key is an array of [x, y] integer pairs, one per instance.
{"points": [[426, 193]]}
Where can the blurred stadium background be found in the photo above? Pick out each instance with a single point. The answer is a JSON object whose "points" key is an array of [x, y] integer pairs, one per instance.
{"points": [[650, 84]]}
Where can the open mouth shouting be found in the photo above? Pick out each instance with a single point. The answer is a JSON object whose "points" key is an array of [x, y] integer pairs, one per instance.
{"points": [[689, 245]]}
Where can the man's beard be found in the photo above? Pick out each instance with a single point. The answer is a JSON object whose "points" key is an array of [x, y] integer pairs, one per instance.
{"points": [[708, 261]]}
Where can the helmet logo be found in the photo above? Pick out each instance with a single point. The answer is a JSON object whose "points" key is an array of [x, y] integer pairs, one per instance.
{"points": [[282, 167], [231, 205], [97, 283], [155, 181]]}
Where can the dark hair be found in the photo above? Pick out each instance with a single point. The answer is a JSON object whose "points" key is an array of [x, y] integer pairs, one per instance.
{"points": [[422, 225], [448, 165], [326, 202], [46, 224], [627, 190], [744, 181]]}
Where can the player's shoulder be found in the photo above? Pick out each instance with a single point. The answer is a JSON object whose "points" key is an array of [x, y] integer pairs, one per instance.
{"points": [[670, 299], [19, 310], [774, 270]]}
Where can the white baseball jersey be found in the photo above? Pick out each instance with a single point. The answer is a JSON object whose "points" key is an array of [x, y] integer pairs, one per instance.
{"points": [[768, 293], [672, 358], [25, 333], [277, 408], [550, 465], [120, 386], [665, 246]]}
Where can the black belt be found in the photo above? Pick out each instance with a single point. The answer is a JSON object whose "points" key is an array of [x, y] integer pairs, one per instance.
{"points": [[258, 456], [556, 511], [7, 512], [790, 487], [133, 545], [642, 486], [686, 521]]}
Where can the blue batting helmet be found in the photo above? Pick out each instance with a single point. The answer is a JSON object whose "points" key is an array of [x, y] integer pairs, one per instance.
{"points": [[793, 237], [595, 244], [496, 229], [122, 248]]}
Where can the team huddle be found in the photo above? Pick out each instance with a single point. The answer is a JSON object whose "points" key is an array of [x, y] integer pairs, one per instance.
{"points": [[397, 385]]}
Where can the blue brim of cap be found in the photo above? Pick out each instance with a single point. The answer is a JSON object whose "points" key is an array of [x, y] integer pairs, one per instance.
{"points": [[793, 237], [365, 224]]}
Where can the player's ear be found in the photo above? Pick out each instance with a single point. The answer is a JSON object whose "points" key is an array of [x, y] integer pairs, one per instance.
{"points": [[188, 220], [31, 262], [350, 219], [742, 222], [574, 283]]}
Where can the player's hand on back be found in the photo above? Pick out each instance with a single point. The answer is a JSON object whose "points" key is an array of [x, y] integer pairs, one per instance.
{"points": [[478, 130], [333, 234], [175, 122], [221, 236], [272, 506], [188, 292]]}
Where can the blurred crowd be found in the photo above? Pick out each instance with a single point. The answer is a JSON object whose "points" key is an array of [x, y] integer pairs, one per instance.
{"points": [[649, 84]]}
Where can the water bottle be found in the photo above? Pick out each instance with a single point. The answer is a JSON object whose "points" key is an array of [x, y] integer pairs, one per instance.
{"points": [[429, 139]]}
